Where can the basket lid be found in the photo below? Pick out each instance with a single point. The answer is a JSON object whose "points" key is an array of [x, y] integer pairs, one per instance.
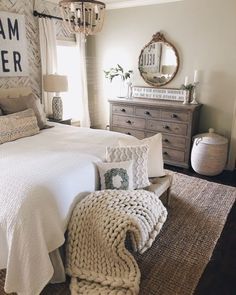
{"points": [[211, 137]]}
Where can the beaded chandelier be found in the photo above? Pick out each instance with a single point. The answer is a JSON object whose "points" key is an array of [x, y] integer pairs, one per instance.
{"points": [[85, 16]]}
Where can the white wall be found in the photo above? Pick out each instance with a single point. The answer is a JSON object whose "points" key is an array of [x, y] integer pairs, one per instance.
{"points": [[203, 32], [232, 151]]}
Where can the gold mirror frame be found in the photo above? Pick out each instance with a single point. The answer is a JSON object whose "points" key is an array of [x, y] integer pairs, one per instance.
{"points": [[164, 78]]}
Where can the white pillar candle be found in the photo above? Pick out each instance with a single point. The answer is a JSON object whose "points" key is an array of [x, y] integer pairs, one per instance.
{"points": [[186, 81], [195, 79]]}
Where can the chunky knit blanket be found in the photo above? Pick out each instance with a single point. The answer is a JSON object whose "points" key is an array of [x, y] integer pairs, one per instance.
{"points": [[96, 256]]}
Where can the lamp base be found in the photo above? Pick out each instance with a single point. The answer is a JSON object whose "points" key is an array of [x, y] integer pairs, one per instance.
{"points": [[57, 108]]}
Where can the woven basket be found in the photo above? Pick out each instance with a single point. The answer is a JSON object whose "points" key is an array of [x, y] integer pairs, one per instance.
{"points": [[209, 153]]}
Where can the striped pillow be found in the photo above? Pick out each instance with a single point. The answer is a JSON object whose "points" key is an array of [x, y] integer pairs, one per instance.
{"points": [[18, 125]]}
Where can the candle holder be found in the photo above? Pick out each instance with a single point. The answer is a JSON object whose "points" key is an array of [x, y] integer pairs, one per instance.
{"points": [[189, 88], [194, 93], [129, 90]]}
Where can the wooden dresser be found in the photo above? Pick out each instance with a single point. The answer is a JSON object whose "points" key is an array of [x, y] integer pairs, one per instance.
{"points": [[144, 117]]}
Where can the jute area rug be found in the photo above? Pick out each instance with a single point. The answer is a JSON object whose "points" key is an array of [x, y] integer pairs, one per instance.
{"points": [[177, 259]]}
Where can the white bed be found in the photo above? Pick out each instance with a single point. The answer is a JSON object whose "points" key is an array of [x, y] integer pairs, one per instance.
{"points": [[41, 178]]}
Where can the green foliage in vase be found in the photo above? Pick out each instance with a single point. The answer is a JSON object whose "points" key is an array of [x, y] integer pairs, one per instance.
{"points": [[189, 87], [117, 71]]}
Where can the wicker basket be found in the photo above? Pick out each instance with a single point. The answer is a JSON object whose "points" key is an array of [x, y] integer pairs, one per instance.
{"points": [[209, 153]]}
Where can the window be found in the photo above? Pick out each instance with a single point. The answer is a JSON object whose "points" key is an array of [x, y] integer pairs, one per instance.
{"points": [[68, 64]]}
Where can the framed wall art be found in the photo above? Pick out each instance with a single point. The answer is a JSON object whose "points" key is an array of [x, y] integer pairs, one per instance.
{"points": [[13, 49], [160, 93]]}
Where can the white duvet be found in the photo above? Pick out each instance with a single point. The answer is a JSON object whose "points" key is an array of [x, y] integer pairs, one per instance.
{"points": [[41, 178]]}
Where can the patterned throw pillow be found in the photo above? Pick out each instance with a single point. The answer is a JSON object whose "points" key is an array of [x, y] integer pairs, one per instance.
{"points": [[118, 175], [18, 104], [155, 157], [139, 155], [18, 125]]}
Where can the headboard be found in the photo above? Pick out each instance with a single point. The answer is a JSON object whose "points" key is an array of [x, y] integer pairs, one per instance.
{"points": [[15, 92]]}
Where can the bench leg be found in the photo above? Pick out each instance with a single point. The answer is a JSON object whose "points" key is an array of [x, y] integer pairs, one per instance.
{"points": [[168, 195]]}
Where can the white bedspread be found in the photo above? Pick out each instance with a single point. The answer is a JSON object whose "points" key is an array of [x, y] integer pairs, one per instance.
{"points": [[41, 178]]}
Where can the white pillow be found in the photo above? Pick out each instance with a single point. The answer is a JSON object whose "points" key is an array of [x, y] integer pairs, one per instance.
{"points": [[155, 157], [118, 175], [139, 155]]}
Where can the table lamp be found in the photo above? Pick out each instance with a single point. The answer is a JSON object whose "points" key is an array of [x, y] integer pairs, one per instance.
{"points": [[56, 83]]}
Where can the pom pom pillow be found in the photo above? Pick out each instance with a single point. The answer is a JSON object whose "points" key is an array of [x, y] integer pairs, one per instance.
{"points": [[118, 175]]}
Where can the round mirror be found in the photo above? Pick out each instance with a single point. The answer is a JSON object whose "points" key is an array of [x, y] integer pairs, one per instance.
{"points": [[158, 61]]}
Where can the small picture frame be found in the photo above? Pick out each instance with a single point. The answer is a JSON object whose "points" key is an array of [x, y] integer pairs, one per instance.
{"points": [[172, 94]]}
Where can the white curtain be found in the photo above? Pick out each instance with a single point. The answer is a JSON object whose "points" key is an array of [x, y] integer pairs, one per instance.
{"points": [[80, 43], [48, 54]]}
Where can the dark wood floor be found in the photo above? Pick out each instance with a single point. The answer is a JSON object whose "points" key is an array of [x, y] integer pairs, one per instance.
{"points": [[219, 277]]}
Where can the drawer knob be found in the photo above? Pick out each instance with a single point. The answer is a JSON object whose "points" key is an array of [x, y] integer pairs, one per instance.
{"points": [[174, 116], [165, 153], [128, 122], [166, 127], [147, 113], [166, 140], [123, 110]]}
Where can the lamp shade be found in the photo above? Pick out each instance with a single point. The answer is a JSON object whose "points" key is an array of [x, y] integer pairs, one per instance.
{"points": [[55, 83]]}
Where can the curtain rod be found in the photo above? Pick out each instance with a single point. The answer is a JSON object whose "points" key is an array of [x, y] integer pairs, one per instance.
{"points": [[36, 13]]}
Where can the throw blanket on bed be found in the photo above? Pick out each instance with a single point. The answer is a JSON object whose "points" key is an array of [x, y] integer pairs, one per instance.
{"points": [[97, 259]]}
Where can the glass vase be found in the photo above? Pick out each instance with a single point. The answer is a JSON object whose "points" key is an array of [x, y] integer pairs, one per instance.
{"points": [[123, 89]]}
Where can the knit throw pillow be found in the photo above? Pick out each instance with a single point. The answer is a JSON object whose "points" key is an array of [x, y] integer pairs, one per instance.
{"points": [[18, 125], [118, 175], [139, 156], [155, 157]]}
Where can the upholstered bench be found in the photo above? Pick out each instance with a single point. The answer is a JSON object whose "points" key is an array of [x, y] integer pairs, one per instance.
{"points": [[161, 186]]}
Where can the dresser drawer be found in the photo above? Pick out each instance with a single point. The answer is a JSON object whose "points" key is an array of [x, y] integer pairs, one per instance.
{"points": [[148, 113], [126, 121], [121, 109], [133, 132], [171, 141], [175, 116], [173, 155], [167, 127]]}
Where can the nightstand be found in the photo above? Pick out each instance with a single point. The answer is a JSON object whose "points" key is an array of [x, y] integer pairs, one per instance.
{"points": [[63, 121]]}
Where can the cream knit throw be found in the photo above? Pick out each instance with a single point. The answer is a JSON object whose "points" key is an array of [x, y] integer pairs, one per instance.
{"points": [[97, 259]]}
